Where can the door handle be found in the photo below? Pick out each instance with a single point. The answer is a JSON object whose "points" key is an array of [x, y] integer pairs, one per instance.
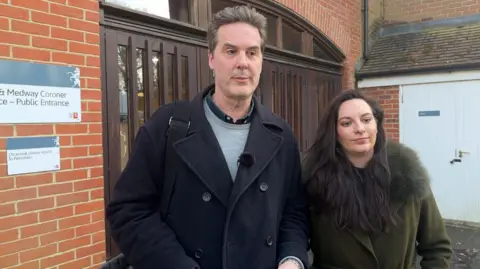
{"points": [[461, 153], [455, 161]]}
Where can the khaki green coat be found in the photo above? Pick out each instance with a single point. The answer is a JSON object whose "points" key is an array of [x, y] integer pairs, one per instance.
{"points": [[422, 229]]}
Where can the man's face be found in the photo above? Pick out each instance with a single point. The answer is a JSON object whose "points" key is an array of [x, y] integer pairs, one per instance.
{"points": [[237, 60]]}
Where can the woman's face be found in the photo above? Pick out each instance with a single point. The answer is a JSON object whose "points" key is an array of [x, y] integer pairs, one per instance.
{"points": [[356, 127]]}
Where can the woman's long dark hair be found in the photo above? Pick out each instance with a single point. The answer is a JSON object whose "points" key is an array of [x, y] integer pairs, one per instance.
{"points": [[335, 188]]}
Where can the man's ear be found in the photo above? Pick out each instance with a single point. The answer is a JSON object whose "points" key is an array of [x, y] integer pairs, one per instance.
{"points": [[210, 59]]}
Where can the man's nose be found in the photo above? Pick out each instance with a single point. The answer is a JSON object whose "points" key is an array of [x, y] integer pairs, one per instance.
{"points": [[242, 61]]}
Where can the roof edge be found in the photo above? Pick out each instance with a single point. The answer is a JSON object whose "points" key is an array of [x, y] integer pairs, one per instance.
{"points": [[417, 27], [416, 71]]}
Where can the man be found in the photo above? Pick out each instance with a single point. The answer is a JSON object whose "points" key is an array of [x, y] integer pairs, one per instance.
{"points": [[238, 201]]}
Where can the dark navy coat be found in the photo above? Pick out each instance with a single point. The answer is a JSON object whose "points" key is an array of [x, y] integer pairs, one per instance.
{"points": [[213, 222]]}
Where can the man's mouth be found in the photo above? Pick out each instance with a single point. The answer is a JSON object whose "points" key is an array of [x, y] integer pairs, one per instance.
{"points": [[241, 78]]}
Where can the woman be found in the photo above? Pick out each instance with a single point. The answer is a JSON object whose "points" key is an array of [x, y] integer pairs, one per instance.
{"points": [[372, 206]]}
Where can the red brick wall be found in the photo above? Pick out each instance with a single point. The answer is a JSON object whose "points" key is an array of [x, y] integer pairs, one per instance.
{"points": [[402, 11], [340, 21], [388, 97], [55, 220]]}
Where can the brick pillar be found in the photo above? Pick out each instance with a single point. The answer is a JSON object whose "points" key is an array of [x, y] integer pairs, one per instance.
{"points": [[55, 220], [388, 98]]}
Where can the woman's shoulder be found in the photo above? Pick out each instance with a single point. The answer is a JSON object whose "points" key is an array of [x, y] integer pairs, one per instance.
{"points": [[409, 175]]}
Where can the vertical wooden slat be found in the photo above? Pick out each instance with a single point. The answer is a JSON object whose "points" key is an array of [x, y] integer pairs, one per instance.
{"points": [[143, 45], [290, 94], [192, 72], [193, 12], [307, 43], [267, 86], [279, 40], [178, 82], [278, 90], [314, 101], [199, 66], [132, 87], [149, 96], [189, 53], [115, 152], [322, 91], [112, 106], [286, 94], [304, 110], [164, 91], [276, 93], [204, 71], [113, 40], [283, 103], [293, 93], [261, 83], [203, 7], [298, 109]]}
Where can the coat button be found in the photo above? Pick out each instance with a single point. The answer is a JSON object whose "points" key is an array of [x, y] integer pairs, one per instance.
{"points": [[263, 187], [198, 253], [206, 197], [269, 241]]}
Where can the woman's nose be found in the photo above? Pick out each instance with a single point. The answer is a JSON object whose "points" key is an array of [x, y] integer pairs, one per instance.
{"points": [[360, 129]]}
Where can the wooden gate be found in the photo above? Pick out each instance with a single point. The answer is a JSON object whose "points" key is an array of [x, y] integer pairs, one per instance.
{"points": [[146, 65]]}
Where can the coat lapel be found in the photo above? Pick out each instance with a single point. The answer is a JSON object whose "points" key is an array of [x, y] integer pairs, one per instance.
{"points": [[201, 151], [263, 144], [365, 241]]}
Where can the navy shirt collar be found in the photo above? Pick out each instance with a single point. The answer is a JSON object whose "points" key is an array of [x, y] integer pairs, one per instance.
{"points": [[219, 113]]}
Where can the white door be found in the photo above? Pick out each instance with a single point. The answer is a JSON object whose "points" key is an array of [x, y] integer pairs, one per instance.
{"points": [[441, 121], [468, 149]]}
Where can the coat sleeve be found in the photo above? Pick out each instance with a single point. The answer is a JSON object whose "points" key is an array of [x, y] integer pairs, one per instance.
{"points": [[133, 212], [294, 226], [434, 245]]}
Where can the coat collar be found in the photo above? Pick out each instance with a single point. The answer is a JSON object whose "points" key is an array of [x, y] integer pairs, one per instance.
{"points": [[202, 153], [266, 117], [223, 116], [409, 176]]}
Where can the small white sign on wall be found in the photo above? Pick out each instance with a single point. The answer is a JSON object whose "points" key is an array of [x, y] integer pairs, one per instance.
{"points": [[33, 154]]}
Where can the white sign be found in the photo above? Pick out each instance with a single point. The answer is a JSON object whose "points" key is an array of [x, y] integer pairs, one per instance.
{"points": [[39, 93], [33, 154]]}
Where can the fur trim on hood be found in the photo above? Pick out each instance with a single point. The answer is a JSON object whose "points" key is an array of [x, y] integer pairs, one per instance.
{"points": [[409, 176]]}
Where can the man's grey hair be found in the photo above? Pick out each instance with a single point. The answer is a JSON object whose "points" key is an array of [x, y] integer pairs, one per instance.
{"points": [[236, 14]]}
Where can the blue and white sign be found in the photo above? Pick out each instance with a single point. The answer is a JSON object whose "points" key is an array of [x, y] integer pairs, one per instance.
{"points": [[429, 113], [39, 93], [33, 154]]}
